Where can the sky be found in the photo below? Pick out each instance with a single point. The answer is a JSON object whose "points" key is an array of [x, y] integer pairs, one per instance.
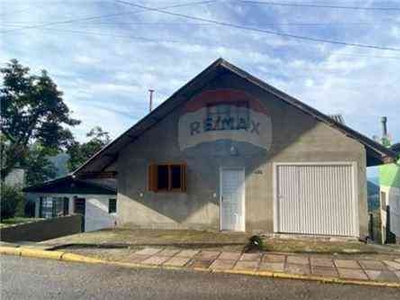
{"points": [[105, 55]]}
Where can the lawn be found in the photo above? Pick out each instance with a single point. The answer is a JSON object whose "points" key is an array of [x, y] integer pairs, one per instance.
{"points": [[17, 220]]}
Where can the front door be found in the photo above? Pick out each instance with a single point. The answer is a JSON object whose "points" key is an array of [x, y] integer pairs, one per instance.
{"points": [[232, 214], [79, 206]]}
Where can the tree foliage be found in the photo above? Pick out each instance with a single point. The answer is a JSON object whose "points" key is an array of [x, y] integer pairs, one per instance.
{"points": [[37, 165], [11, 201], [32, 112], [81, 152]]}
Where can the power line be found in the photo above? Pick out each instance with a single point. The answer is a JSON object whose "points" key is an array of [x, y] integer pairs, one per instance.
{"points": [[158, 41], [307, 5], [17, 24], [103, 16], [288, 35]]}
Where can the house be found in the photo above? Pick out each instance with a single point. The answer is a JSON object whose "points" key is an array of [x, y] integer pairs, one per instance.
{"points": [[229, 152], [389, 182], [95, 199]]}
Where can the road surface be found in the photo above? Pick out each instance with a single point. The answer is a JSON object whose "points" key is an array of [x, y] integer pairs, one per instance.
{"points": [[29, 278]]}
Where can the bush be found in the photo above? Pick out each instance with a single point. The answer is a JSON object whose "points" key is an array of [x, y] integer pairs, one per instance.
{"points": [[12, 201]]}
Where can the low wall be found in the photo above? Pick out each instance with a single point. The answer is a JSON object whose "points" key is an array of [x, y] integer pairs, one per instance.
{"points": [[43, 229]]}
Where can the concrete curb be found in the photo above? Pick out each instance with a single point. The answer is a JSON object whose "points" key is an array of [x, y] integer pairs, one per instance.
{"points": [[71, 257]]}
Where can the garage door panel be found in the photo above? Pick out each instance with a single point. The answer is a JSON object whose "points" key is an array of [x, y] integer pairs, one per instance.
{"points": [[316, 199]]}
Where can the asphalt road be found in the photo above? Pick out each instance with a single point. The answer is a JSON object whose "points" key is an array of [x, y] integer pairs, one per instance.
{"points": [[28, 278]]}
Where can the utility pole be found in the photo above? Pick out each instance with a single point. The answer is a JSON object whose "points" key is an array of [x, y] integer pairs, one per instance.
{"points": [[151, 100]]}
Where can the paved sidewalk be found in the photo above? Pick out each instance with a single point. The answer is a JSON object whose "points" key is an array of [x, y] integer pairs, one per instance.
{"points": [[309, 265]]}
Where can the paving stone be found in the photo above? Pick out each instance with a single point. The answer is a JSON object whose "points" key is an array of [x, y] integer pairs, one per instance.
{"points": [[177, 261], [349, 264], [222, 264], [273, 258], [155, 260], [230, 255], [297, 269], [148, 251], [352, 274], [392, 265], [321, 262], [324, 271], [135, 258], [202, 264], [272, 266], [381, 275], [187, 253], [208, 255], [372, 265], [250, 257], [168, 252], [298, 260], [246, 265]]}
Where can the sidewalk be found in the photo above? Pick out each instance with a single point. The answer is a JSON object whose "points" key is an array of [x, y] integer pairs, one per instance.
{"points": [[362, 270], [385, 269]]}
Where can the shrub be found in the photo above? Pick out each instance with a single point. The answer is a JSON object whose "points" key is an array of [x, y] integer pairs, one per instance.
{"points": [[12, 201], [256, 243]]}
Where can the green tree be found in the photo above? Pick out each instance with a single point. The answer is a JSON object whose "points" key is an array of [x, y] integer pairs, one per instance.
{"points": [[32, 112], [38, 166], [81, 152], [11, 201]]}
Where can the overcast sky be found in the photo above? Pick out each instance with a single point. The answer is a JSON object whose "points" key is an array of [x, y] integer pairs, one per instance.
{"points": [[106, 65]]}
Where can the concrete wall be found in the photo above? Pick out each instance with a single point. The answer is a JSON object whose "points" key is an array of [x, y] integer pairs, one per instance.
{"points": [[96, 211], [42, 230], [296, 137], [392, 199]]}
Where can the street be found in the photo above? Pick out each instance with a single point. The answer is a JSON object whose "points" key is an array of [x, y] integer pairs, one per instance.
{"points": [[29, 278]]}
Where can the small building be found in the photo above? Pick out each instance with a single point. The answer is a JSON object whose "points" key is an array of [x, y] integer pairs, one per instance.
{"points": [[95, 199], [229, 152], [389, 182]]}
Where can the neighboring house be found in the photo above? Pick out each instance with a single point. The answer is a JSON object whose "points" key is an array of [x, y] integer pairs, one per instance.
{"points": [[94, 199], [389, 180], [230, 152]]}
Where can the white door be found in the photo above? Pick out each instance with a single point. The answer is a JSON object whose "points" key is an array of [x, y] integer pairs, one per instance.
{"points": [[316, 199], [232, 214]]}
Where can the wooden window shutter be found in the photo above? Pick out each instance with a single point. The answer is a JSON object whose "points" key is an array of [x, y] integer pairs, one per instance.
{"points": [[152, 178], [183, 177]]}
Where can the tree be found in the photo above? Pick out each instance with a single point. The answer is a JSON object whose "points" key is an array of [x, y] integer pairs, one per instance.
{"points": [[32, 111], [81, 152], [38, 166], [11, 201]]}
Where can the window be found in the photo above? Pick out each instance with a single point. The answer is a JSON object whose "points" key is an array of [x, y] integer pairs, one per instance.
{"points": [[167, 178], [112, 206]]}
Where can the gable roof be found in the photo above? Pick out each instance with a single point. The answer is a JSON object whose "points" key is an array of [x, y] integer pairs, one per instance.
{"points": [[376, 153], [72, 185]]}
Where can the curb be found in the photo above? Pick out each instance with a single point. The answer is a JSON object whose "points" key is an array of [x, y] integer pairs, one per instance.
{"points": [[71, 257]]}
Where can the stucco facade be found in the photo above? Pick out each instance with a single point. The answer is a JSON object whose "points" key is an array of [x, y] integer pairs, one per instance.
{"points": [[96, 208], [295, 136], [389, 180]]}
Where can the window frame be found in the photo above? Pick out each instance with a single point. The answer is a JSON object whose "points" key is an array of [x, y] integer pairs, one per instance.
{"points": [[152, 178], [109, 202]]}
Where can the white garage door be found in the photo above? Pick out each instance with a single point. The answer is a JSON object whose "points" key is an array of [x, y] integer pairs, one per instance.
{"points": [[316, 199]]}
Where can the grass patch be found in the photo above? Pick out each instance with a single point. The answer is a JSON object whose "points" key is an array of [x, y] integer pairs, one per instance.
{"points": [[17, 220], [316, 246]]}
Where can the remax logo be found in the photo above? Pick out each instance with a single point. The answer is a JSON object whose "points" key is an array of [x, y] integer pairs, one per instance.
{"points": [[224, 114]]}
